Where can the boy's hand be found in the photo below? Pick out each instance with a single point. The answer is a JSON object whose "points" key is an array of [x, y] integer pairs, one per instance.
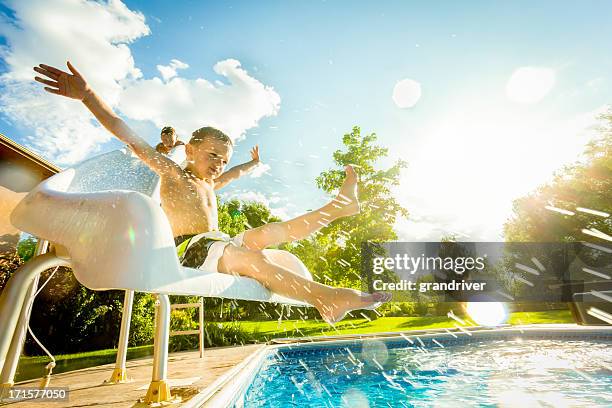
{"points": [[62, 83], [255, 154]]}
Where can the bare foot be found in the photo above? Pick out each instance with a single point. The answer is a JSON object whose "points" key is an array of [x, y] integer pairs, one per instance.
{"points": [[347, 200], [351, 299]]}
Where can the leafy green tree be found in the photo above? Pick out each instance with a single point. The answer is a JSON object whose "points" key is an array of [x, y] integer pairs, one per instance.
{"points": [[586, 184], [13, 259], [334, 255], [142, 324], [68, 317], [9, 262], [231, 219], [237, 216], [257, 214], [26, 248]]}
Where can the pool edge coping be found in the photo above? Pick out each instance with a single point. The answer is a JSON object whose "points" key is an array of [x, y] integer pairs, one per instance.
{"points": [[219, 389]]}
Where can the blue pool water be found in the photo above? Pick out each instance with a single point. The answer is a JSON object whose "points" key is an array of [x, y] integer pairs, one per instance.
{"points": [[515, 370]]}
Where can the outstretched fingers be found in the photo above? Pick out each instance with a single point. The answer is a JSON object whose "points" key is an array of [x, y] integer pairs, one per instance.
{"points": [[53, 85], [70, 84], [47, 73], [53, 70], [52, 90], [47, 82], [255, 153]]}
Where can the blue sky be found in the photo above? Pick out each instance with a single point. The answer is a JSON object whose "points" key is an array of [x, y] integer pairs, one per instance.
{"points": [[475, 139]]}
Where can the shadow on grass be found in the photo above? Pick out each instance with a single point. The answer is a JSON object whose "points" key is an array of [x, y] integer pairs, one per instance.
{"points": [[425, 321], [542, 317]]}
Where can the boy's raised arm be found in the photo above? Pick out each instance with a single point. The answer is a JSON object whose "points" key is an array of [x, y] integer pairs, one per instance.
{"points": [[239, 170], [74, 86]]}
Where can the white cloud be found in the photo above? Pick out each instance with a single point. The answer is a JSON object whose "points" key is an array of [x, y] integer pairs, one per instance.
{"points": [[190, 104], [260, 170], [95, 37], [169, 71], [273, 202], [63, 133], [250, 196], [406, 93], [281, 212], [92, 35]]}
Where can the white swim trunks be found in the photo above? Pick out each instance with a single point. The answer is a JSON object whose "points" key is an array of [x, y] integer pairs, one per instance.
{"points": [[203, 251]]}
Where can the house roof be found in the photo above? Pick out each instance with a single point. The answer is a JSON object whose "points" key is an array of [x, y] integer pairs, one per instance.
{"points": [[12, 148]]}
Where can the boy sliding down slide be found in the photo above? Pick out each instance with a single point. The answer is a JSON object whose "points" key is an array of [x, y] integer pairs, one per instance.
{"points": [[189, 201]]}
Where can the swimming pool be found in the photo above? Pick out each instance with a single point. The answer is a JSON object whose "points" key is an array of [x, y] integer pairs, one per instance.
{"points": [[512, 367]]}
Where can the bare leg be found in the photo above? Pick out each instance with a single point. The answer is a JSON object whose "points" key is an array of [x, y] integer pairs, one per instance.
{"points": [[345, 204], [332, 303]]}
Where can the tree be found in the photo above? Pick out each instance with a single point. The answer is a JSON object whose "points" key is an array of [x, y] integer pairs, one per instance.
{"points": [[68, 317], [11, 260], [236, 216], [586, 184], [334, 255]]}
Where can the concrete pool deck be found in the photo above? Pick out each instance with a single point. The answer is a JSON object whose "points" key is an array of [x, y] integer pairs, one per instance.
{"points": [[212, 378], [87, 387]]}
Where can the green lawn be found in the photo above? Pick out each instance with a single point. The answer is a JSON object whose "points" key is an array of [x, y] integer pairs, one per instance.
{"points": [[298, 328], [33, 367]]}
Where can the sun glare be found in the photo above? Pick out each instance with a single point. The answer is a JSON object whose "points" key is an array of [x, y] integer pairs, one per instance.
{"points": [[471, 162], [487, 313], [530, 84]]}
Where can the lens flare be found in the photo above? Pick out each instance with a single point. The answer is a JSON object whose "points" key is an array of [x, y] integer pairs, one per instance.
{"points": [[131, 235], [487, 313]]}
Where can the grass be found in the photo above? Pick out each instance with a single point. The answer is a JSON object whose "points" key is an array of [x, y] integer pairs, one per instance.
{"points": [[266, 330], [33, 367], [133, 352]]}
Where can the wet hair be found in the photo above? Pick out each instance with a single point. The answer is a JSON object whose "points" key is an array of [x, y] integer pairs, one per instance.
{"points": [[209, 133], [168, 129]]}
